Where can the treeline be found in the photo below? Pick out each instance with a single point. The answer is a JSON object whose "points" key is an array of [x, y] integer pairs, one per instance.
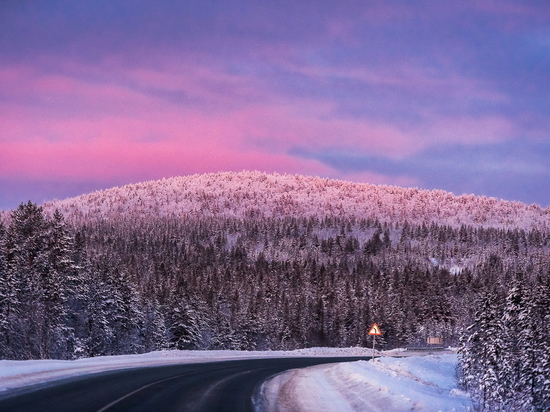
{"points": [[104, 287], [506, 351]]}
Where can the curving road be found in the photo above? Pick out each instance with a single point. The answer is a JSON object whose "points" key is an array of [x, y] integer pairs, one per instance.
{"points": [[201, 387]]}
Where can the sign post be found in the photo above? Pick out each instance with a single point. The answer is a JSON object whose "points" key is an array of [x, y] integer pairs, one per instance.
{"points": [[374, 331]]}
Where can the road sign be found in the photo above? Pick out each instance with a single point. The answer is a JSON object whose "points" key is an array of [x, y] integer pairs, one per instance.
{"points": [[375, 330]]}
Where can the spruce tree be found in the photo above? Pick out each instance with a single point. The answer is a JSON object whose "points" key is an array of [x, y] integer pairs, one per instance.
{"points": [[155, 331], [481, 354], [184, 329], [9, 302], [99, 331], [540, 319], [517, 340], [28, 259]]}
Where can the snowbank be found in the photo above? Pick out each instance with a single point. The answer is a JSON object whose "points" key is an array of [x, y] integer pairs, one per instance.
{"points": [[420, 383]]}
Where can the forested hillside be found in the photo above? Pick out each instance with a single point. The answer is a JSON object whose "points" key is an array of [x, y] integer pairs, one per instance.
{"points": [[253, 194], [256, 261]]}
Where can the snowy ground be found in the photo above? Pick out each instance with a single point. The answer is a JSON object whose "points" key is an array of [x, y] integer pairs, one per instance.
{"points": [[420, 383]]}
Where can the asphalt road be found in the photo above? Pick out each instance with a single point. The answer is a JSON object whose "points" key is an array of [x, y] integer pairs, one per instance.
{"points": [[202, 387]]}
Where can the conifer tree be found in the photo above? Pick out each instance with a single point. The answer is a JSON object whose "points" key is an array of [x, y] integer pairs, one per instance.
{"points": [[155, 331], [9, 303], [482, 353], [99, 331], [28, 258], [517, 339], [540, 353], [184, 327], [123, 312]]}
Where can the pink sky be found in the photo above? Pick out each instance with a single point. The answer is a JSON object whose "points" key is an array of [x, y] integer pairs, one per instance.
{"points": [[376, 93]]}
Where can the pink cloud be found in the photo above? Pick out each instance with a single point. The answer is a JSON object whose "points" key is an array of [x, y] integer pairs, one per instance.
{"points": [[204, 83], [116, 112], [78, 129], [465, 130], [106, 161], [312, 125], [406, 77]]}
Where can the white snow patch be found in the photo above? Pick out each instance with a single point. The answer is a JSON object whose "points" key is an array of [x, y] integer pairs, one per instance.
{"points": [[456, 270], [419, 383]]}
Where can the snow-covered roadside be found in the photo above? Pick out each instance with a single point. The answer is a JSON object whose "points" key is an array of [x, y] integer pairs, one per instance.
{"points": [[424, 383], [420, 383], [16, 374]]}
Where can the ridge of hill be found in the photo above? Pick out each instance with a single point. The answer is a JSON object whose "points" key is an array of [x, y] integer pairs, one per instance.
{"points": [[256, 194]]}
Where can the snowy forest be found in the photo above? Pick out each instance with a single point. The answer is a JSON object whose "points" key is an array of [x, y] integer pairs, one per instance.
{"points": [[506, 350], [267, 262]]}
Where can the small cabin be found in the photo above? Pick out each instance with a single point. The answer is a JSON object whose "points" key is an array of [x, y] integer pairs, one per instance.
{"points": [[432, 340]]}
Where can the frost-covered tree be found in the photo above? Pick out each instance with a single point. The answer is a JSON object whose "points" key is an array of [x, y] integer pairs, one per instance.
{"points": [[28, 259], [538, 356], [518, 356], [506, 357], [155, 333], [184, 330], [99, 333], [9, 303], [123, 311], [482, 354]]}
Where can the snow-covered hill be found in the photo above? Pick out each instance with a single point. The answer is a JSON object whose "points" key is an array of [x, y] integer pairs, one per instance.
{"points": [[256, 194]]}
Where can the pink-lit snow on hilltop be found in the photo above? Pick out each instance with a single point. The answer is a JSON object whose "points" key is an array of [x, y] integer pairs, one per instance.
{"points": [[256, 194]]}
